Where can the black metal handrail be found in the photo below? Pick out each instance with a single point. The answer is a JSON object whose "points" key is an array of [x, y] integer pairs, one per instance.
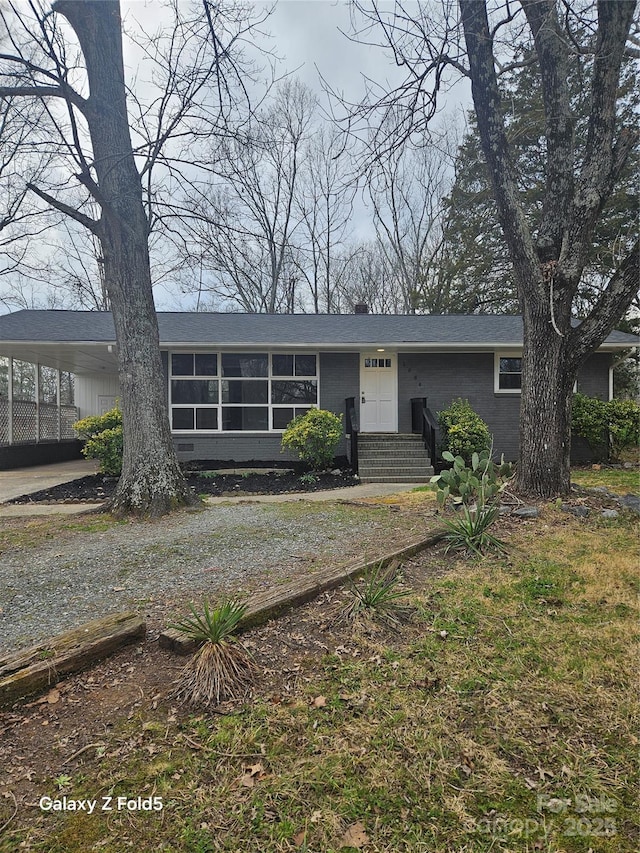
{"points": [[352, 428], [424, 423]]}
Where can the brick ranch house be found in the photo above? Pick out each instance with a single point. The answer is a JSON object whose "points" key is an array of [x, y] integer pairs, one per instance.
{"points": [[234, 381]]}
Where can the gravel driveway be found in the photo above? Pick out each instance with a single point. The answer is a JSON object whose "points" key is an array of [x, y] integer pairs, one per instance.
{"points": [[155, 567]]}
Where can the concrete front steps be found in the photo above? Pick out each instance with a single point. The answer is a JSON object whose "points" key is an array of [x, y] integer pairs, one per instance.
{"points": [[393, 458]]}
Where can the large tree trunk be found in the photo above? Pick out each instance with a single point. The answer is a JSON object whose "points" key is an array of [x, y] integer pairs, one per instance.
{"points": [[545, 410], [151, 481]]}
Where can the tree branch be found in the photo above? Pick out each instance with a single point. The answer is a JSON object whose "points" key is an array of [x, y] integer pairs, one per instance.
{"points": [[66, 93], [607, 311], [91, 224], [552, 53], [602, 161], [486, 99]]}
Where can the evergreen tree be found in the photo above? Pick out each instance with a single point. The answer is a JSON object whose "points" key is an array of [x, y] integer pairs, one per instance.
{"points": [[476, 265]]}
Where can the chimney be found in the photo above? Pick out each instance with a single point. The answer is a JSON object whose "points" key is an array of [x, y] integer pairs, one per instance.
{"points": [[361, 308]]}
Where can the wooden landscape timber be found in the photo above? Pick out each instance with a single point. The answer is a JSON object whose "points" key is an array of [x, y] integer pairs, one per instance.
{"points": [[267, 605], [29, 671], [39, 667]]}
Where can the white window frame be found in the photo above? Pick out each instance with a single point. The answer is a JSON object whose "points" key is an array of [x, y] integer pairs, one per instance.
{"points": [[269, 378], [194, 376], [611, 391], [277, 377], [496, 371]]}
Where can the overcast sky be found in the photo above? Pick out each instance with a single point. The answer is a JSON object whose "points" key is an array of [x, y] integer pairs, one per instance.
{"points": [[309, 38]]}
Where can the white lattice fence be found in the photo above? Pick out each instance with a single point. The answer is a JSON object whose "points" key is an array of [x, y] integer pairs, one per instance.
{"points": [[48, 422], [68, 416], [4, 421], [24, 421]]}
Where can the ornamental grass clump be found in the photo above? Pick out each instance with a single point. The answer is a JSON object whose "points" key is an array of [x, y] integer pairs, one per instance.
{"points": [[221, 668], [377, 597], [470, 530]]}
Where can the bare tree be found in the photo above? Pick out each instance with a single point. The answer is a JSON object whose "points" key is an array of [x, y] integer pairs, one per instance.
{"points": [[406, 191], [371, 277], [476, 38], [83, 92], [325, 205], [78, 269], [244, 220], [477, 259], [20, 219]]}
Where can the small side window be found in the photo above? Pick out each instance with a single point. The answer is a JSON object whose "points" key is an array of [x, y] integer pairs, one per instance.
{"points": [[509, 376]]}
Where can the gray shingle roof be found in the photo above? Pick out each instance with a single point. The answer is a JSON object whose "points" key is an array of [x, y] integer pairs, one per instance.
{"points": [[279, 329]]}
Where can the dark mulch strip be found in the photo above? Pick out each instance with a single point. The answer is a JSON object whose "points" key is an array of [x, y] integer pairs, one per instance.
{"points": [[96, 487]]}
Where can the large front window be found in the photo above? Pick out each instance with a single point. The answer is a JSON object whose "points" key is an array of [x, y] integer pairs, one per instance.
{"points": [[240, 391]]}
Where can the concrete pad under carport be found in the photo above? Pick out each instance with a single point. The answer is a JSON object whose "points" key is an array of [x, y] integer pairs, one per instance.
{"points": [[23, 481]]}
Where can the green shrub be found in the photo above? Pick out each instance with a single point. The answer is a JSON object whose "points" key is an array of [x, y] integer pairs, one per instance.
{"points": [[314, 436], [103, 434], [607, 427], [479, 483], [623, 421], [462, 431], [88, 427], [589, 421]]}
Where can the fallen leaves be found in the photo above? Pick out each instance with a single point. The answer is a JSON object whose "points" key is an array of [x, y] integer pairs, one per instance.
{"points": [[49, 698], [431, 681], [252, 773], [355, 836], [467, 764]]}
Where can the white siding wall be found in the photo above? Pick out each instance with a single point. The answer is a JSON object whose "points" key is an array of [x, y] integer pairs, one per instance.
{"points": [[89, 387]]}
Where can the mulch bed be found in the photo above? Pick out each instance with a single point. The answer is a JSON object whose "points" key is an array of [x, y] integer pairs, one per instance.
{"points": [[96, 487]]}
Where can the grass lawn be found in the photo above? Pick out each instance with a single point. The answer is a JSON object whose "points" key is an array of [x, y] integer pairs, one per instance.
{"points": [[502, 718], [618, 480]]}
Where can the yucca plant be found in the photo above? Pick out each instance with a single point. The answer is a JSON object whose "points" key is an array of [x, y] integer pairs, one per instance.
{"points": [[221, 668], [470, 530], [377, 597]]}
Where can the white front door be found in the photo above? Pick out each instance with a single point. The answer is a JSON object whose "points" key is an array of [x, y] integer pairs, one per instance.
{"points": [[106, 402], [378, 392]]}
